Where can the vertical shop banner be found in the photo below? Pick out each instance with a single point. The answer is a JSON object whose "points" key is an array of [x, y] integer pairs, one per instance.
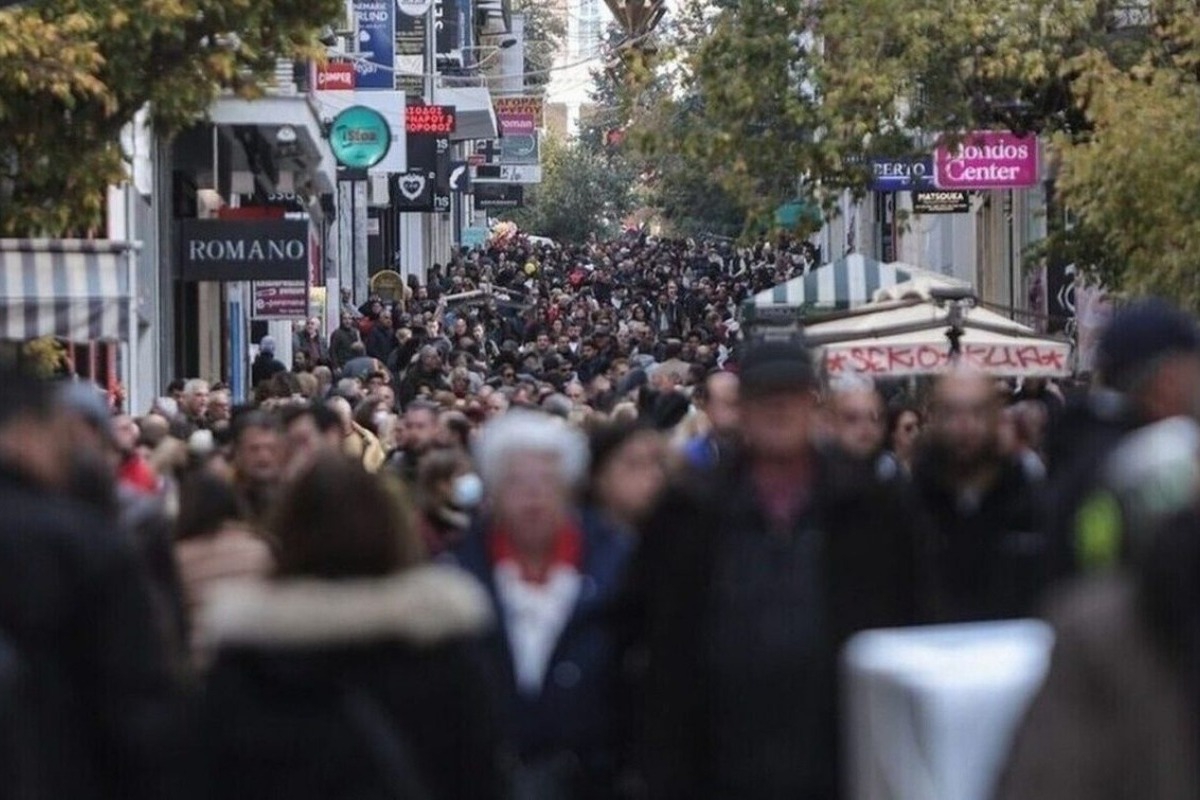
{"points": [[449, 24], [519, 119], [375, 21], [428, 142], [442, 192], [412, 29]]}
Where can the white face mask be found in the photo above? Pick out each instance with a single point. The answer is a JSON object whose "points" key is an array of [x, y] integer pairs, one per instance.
{"points": [[467, 490], [380, 419]]}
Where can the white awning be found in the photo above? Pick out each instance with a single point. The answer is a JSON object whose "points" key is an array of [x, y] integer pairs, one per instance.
{"points": [[295, 111], [910, 338], [473, 110], [69, 288]]}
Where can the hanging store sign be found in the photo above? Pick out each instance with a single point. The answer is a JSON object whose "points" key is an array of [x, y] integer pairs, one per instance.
{"points": [[988, 160], [904, 174], [412, 34], [935, 202], [279, 300], [496, 196], [375, 21], [423, 119], [226, 250], [335, 76], [518, 119], [360, 137]]}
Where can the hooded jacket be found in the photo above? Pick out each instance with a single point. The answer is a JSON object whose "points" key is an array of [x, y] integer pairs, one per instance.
{"points": [[356, 688]]}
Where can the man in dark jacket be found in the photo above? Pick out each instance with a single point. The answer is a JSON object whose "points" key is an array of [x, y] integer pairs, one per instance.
{"points": [[381, 341], [87, 701], [748, 582], [341, 342], [1149, 363], [266, 365], [987, 559]]}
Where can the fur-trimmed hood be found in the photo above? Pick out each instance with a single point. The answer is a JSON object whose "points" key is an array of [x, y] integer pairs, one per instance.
{"points": [[424, 606]]}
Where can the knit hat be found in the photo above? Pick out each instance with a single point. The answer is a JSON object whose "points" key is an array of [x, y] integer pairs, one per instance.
{"points": [[1140, 334]]}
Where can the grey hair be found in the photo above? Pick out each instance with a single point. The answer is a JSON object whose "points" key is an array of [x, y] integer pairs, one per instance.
{"points": [[530, 432], [194, 386], [850, 383]]}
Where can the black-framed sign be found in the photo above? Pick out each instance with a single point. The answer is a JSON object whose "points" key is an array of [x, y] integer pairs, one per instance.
{"points": [[489, 196], [243, 250], [941, 202]]}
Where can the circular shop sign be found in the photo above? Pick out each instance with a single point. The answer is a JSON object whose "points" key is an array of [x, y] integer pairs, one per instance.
{"points": [[360, 137], [414, 8]]}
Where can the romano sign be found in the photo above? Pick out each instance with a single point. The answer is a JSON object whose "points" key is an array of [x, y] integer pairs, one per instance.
{"points": [[227, 250]]}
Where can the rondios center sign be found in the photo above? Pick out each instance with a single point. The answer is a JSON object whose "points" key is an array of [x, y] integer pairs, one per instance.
{"points": [[988, 160], [236, 250]]}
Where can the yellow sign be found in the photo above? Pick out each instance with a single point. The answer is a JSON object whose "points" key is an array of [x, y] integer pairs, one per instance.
{"points": [[388, 284]]}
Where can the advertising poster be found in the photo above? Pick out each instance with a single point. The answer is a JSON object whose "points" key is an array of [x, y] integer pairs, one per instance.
{"points": [[375, 21]]}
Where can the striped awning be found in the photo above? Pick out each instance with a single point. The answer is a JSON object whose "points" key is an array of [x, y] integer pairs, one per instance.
{"points": [[73, 289], [847, 283]]}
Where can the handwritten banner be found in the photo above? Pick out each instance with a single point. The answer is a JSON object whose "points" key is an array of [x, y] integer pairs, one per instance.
{"points": [[1040, 359]]}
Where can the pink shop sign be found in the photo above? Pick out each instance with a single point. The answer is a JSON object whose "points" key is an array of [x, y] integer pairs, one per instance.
{"points": [[988, 160]]}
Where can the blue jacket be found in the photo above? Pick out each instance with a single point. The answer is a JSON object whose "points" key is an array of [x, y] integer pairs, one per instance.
{"points": [[578, 708]]}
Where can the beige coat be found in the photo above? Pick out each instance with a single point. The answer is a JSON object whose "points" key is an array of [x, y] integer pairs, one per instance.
{"points": [[1113, 721]]}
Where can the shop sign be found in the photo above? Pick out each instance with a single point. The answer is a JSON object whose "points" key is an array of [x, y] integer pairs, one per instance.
{"points": [[495, 196], [429, 119], [376, 26], [923, 359], [903, 174], [335, 76], [988, 160], [360, 137], [241, 250], [935, 202], [280, 300]]}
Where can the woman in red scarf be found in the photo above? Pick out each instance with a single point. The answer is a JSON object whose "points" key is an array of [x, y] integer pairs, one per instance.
{"points": [[553, 574]]}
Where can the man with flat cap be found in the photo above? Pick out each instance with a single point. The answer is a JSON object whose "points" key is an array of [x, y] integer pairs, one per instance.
{"points": [[748, 582]]}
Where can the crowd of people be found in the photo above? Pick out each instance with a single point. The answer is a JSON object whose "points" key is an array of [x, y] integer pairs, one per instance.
{"points": [[551, 526]]}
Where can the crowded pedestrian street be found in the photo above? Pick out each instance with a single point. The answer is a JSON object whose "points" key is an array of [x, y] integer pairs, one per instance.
{"points": [[599, 540], [599, 400]]}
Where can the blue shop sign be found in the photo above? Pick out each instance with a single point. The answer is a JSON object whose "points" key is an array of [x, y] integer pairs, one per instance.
{"points": [[904, 174]]}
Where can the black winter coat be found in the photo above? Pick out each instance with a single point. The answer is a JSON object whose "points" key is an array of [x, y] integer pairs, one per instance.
{"points": [[737, 682], [987, 558], [358, 689], [92, 712]]}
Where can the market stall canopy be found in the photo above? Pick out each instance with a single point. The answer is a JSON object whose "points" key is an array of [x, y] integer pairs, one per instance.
{"points": [[906, 338], [73, 289], [846, 283]]}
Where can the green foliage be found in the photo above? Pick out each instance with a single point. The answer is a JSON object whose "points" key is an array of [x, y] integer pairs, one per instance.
{"points": [[73, 73], [545, 32], [581, 193], [1135, 177], [796, 92]]}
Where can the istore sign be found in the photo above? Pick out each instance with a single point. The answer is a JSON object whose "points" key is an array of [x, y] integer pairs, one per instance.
{"points": [[988, 160]]}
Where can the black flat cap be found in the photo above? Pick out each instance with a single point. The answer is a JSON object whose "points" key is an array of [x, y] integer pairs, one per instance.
{"points": [[771, 367]]}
